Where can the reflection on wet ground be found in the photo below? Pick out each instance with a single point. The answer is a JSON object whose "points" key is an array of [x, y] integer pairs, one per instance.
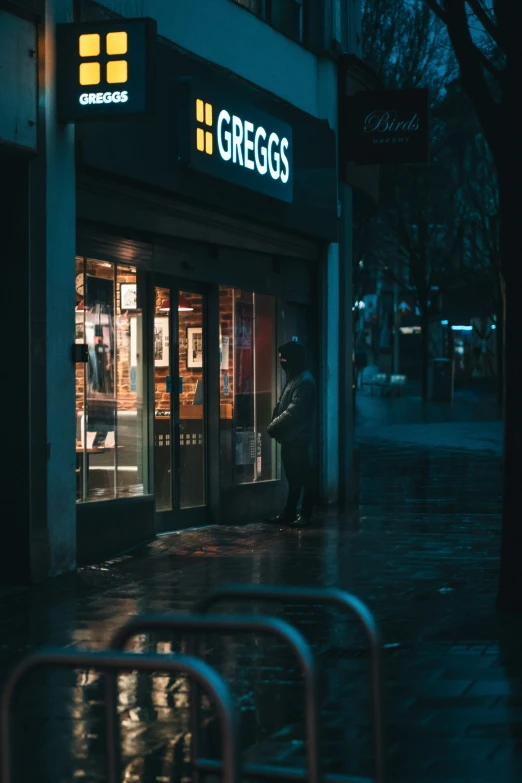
{"points": [[422, 550], [469, 405]]}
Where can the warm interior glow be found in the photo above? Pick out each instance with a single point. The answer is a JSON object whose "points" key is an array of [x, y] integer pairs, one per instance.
{"points": [[184, 305], [89, 45], [208, 113], [90, 73], [117, 72], [117, 43], [200, 111], [209, 143], [200, 139]]}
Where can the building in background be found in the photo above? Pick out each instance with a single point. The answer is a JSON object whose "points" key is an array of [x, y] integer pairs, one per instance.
{"points": [[153, 265]]}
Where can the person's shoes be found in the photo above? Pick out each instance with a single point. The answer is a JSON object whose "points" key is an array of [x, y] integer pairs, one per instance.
{"points": [[302, 520], [282, 519]]}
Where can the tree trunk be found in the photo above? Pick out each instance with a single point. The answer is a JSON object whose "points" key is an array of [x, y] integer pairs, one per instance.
{"points": [[499, 338], [510, 584], [509, 165], [425, 361]]}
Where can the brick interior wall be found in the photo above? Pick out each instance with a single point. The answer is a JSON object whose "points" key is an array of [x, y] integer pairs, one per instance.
{"points": [[188, 320], [127, 399], [190, 375], [161, 396]]}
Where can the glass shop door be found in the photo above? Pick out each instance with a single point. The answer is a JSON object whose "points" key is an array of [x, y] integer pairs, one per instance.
{"points": [[180, 415]]}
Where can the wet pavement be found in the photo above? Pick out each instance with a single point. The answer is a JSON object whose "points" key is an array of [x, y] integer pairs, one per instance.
{"points": [[472, 404], [422, 551]]}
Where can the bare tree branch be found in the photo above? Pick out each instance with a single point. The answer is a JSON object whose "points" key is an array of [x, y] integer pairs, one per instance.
{"points": [[437, 9], [488, 65], [486, 21], [472, 76]]}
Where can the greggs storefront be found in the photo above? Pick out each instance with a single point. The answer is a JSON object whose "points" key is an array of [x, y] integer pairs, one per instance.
{"points": [[202, 225]]}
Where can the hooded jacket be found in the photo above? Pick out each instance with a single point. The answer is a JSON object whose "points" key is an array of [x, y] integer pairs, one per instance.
{"points": [[293, 416]]}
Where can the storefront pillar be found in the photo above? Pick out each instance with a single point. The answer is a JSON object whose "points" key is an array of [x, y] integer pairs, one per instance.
{"points": [[329, 392], [348, 483], [60, 250]]}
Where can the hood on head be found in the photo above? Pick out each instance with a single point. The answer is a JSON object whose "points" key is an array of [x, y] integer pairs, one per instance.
{"points": [[295, 355]]}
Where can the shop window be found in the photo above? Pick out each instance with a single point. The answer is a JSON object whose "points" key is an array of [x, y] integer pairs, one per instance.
{"points": [[110, 423], [257, 7], [248, 356], [287, 16]]}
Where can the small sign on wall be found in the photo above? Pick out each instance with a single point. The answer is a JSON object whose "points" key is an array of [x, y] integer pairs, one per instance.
{"points": [[225, 347], [105, 69], [226, 385]]}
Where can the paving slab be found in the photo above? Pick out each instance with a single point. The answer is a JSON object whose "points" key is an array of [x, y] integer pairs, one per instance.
{"points": [[421, 549]]}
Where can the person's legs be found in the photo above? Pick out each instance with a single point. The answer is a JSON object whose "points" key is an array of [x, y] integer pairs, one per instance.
{"points": [[291, 460]]}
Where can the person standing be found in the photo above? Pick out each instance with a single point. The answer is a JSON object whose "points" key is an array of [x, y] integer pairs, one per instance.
{"points": [[292, 426]]}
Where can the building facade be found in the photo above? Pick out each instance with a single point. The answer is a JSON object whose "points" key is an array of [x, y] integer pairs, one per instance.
{"points": [[155, 263]]}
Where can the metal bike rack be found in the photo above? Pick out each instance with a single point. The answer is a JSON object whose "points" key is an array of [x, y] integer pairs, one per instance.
{"points": [[326, 596], [110, 661], [193, 624]]}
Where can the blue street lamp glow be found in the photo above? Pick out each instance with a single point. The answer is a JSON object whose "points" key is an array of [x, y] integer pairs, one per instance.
{"points": [[444, 323], [462, 328], [493, 326]]}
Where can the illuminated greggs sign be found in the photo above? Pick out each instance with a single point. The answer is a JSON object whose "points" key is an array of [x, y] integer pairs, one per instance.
{"points": [[236, 142], [104, 69]]}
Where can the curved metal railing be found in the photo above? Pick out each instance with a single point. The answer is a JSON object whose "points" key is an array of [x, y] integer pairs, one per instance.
{"points": [[109, 661], [192, 624], [326, 596]]}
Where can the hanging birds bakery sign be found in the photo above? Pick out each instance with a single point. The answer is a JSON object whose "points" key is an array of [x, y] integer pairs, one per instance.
{"points": [[387, 127]]}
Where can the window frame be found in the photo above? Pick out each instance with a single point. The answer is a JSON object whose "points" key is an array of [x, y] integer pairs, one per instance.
{"points": [[118, 268], [267, 16], [277, 378]]}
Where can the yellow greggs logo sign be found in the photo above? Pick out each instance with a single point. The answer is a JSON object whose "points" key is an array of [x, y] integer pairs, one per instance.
{"points": [[240, 141], [113, 69], [228, 138], [104, 68]]}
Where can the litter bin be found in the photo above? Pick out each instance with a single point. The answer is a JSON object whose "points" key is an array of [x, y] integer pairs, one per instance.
{"points": [[441, 380]]}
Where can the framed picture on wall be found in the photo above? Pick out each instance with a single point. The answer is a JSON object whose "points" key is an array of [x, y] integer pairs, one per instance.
{"points": [[79, 334], [128, 296], [224, 353], [195, 347], [161, 341]]}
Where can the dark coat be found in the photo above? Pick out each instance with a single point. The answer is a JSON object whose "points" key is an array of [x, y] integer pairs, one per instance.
{"points": [[293, 416]]}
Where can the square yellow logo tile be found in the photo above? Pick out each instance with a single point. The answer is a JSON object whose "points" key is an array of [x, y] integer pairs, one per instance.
{"points": [[204, 137], [114, 71]]}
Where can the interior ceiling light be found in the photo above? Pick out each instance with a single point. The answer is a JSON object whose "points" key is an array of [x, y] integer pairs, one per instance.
{"points": [[184, 305]]}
